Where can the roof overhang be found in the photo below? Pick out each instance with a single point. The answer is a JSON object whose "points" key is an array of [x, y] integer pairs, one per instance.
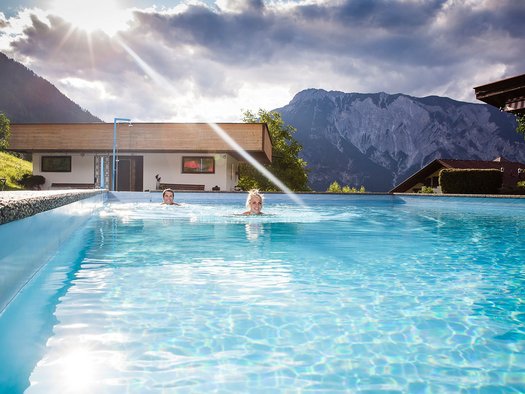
{"points": [[419, 176], [507, 94], [254, 138]]}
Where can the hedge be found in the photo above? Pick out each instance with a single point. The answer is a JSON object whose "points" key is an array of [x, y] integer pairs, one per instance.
{"points": [[470, 181]]}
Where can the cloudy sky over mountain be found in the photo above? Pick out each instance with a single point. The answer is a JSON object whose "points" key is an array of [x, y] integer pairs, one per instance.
{"points": [[209, 60]]}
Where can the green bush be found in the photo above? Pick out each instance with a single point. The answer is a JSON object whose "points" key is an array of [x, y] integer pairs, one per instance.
{"points": [[470, 181], [334, 188], [426, 190], [29, 181], [517, 189]]}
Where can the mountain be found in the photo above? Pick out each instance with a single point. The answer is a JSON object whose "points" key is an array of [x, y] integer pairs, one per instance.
{"points": [[27, 98], [378, 140]]}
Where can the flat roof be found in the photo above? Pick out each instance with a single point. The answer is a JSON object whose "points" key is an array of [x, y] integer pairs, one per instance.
{"points": [[254, 138]]}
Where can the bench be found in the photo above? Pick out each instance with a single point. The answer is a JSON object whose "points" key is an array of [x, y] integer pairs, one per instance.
{"points": [[73, 185], [181, 186]]}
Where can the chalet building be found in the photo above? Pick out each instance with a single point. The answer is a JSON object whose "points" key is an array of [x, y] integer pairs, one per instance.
{"points": [[506, 94], [148, 156], [429, 175]]}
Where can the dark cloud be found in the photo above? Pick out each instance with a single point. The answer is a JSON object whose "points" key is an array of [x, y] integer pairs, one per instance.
{"points": [[393, 16], [422, 33]]}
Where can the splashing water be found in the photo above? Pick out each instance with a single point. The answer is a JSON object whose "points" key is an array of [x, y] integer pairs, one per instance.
{"points": [[272, 178]]}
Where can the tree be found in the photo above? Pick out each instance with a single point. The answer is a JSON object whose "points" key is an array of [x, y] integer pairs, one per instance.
{"points": [[334, 187], [5, 131], [286, 164], [520, 119]]}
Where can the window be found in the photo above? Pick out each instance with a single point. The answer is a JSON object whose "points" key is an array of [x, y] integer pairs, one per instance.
{"points": [[198, 165], [56, 163]]}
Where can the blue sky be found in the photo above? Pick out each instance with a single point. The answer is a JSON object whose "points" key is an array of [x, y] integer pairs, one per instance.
{"points": [[210, 60]]}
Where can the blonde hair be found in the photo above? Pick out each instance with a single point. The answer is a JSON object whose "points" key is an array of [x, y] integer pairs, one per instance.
{"points": [[251, 194]]}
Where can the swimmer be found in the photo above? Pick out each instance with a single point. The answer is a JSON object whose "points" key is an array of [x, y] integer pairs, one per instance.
{"points": [[167, 197], [254, 203]]}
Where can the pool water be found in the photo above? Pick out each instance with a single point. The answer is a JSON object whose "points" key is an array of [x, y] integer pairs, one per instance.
{"points": [[386, 296]]}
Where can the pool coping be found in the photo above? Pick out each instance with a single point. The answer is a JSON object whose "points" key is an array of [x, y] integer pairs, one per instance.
{"points": [[15, 205]]}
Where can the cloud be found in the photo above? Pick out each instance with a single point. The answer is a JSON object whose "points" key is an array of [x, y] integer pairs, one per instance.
{"points": [[201, 62]]}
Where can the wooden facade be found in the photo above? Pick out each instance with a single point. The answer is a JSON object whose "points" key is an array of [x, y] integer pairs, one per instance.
{"points": [[254, 138]]}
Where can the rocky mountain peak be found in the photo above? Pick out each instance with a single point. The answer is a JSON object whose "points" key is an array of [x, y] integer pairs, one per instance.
{"points": [[379, 139]]}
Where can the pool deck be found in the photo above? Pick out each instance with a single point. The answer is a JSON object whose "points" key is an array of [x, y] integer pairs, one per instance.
{"points": [[15, 205]]}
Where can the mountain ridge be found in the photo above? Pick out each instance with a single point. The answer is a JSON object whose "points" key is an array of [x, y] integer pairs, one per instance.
{"points": [[29, 98], [380, 139]]}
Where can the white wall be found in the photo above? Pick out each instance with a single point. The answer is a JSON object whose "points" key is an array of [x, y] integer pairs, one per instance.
{"points": [[169, 167], [82, 169]]}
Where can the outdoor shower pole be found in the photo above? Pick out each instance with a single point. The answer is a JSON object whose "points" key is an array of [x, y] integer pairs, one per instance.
{"points": [[113, 173]]}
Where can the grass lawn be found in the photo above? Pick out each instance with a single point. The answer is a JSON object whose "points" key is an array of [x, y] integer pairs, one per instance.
{"points": [[12, 168]]}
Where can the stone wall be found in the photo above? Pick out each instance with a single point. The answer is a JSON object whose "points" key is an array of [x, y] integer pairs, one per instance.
{"points": [[15, 205]]}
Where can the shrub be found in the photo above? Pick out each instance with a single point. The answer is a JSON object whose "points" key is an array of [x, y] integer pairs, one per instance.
{"points": [[426, 190], [518, 189], [29, 181], [470, 181], [334, 188]]}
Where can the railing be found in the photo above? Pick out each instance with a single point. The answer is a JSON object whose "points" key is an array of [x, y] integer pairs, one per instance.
{"points": [[180, 186]]}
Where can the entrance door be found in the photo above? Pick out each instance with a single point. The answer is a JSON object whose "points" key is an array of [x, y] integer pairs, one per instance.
{"points": [[129, 173]]}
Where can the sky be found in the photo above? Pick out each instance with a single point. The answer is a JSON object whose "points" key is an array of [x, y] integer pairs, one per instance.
{"points": [[209, 61]]}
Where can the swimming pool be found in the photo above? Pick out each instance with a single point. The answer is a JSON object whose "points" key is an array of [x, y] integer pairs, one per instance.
{"points": [[348, 294]]}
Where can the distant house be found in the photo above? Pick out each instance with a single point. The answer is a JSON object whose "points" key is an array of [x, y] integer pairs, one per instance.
{"points": [[429, 175], [149, 156], [506, 94]]}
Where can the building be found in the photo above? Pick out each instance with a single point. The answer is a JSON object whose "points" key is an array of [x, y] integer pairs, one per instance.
{"points": [[429, 175], [148, 156], [506, 94]]}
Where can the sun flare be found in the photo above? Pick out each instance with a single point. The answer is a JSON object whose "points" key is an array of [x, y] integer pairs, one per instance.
{"points": [[103, 15]]}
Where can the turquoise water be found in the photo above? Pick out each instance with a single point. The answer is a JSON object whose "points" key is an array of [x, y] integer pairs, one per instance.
{"points": [[343, 295]]}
